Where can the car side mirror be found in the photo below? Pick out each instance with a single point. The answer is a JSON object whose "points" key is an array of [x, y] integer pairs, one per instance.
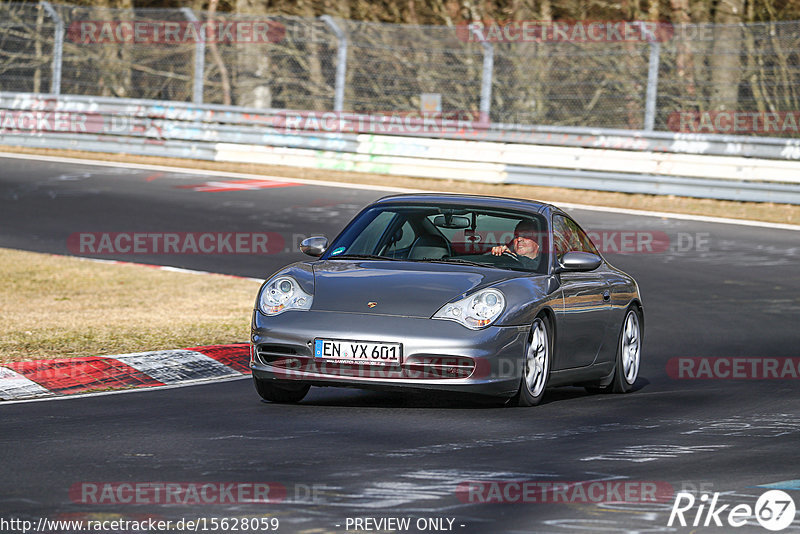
{"points": [[579, 262], [314, 246]]}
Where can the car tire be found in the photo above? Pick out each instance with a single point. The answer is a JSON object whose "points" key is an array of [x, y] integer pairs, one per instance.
{"points": [[629, 349], [535, 365], [629, 352], [271, 391]]}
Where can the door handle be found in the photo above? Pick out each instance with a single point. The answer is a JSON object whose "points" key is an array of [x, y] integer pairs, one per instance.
{"points": [[606, 295]]}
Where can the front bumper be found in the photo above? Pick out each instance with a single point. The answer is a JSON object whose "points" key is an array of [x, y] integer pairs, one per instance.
{"points": [[437, 354]]}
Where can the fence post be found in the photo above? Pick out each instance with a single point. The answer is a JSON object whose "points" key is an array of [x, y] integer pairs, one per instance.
{"points": [[486, 81], [486, 76], [341, 61], [199, 58], [58, 48], [652, 85]]}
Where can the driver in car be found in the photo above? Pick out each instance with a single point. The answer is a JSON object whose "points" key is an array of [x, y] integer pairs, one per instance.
{"points": [[523, 246]]}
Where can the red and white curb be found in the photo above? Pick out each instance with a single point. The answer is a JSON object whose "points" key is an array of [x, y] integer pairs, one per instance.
{"points": [[39, 378]]}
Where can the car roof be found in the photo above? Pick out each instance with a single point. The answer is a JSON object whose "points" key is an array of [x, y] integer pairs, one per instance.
{"points": [[474, 200]]}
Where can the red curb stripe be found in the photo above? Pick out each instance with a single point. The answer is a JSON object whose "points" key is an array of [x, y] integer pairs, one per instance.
{"points": [[215, 186], [76, 375], [236, 356]]}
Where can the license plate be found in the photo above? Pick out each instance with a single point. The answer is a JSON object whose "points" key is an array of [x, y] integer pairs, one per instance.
{"points": [[358, 351]]}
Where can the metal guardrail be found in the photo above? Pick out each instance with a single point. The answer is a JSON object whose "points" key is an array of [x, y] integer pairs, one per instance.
{"points": [[707, 166], [636, 140]]}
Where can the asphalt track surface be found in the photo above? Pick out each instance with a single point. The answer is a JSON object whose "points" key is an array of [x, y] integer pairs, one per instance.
{"points": [[345, 453]]}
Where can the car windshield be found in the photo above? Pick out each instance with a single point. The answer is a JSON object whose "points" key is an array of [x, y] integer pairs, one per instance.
{"points": [[488, 237]]}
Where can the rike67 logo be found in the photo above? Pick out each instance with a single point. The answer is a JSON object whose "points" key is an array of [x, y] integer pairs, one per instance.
{"points": [[774, 511]]}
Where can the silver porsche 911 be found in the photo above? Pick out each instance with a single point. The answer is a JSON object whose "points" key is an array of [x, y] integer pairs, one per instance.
{"points": [[491, 296]]}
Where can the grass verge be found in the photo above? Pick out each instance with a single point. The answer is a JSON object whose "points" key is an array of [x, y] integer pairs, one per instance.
{"points": [[56, 307], [756, 211]]}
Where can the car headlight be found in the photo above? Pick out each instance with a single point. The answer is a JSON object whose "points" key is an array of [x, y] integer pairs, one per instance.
{"points": [[282, 294], [476, 311]]}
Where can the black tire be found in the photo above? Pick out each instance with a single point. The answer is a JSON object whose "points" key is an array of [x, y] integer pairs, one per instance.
{"points": [[624, 374], [282, 392], [538, 352]]}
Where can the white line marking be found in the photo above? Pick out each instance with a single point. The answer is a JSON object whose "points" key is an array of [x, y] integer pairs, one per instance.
{"points": [[680, 216], [159, 267], [205, 172], [366, 187]]}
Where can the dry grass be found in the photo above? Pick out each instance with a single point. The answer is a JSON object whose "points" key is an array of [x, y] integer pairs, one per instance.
{"points": [[53, 307], [757, 211]]}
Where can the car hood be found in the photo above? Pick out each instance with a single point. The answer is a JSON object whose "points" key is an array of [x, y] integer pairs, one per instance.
{"points": [[409, 289]]}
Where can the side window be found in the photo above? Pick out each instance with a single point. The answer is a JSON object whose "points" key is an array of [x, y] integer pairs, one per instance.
{"points": [[583, 239], [560, 236], [367, 240], [569, 237]]}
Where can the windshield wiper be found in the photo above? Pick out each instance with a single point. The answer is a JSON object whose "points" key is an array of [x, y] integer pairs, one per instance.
{"points": [[457, 260], [478, 264], [362, 257]]}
